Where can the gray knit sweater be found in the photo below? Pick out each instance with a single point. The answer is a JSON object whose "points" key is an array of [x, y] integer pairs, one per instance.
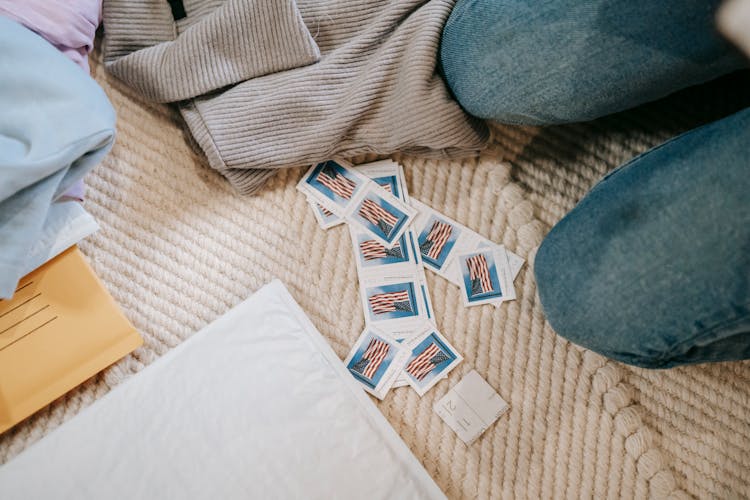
{"points": [[264, 84]]}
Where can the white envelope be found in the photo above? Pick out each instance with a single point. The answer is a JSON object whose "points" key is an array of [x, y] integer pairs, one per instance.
{"points": [[256, 405]]}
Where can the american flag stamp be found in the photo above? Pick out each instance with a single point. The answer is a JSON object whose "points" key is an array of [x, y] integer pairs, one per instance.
{"points": [[372, 252], [375, 361], [374, 259], [508, 263], [393, 303], [436, 240], [381, 214], [484, 277], [442, 240], [333, 184], [431, 359]]}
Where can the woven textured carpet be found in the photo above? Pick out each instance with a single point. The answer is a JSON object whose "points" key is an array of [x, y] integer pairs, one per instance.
{"points": [[178, 248]]}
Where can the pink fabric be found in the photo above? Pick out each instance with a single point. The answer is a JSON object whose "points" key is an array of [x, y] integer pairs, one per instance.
{"points": [[69, 25], [75, 192]]}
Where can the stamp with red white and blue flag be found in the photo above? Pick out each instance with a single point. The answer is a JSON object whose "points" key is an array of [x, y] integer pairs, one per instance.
{"points": [[381, 214], [432, 358], [374, 259], [436, 240], [333, 184], [376, 360], [393, 302], [485, 276]]}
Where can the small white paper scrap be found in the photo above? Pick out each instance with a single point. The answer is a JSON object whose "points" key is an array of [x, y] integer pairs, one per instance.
{"points": [[470, 407]]}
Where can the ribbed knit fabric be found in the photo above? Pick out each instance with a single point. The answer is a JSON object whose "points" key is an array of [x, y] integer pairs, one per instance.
{"points": [[271, 84]]}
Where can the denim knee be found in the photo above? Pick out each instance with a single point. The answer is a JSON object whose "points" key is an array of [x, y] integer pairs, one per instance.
{"points": [[587, 314], [537, 63], [652, 267]]}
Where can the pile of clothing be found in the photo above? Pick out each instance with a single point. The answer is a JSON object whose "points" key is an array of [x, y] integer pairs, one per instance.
{"points": [[56, 124], [285, 83], [261, 86]]}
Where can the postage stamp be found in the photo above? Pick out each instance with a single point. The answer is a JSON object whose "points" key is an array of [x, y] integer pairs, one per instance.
{"points": [[376, 361], [333, 184], [436, 240], [382, 214], [431, 359], [482, 279]]}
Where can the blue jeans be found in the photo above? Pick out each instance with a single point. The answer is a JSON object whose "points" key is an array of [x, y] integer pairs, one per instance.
{"points": [[652, 267]]}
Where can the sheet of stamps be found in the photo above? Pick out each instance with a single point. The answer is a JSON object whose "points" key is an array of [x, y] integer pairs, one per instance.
{"points": [[394, 239], [399, 263], [376, 360], [432, 358], [441, 240]]}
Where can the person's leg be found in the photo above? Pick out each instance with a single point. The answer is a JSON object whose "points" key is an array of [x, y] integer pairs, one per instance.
{"points": [[532, 62], [652, 267]]}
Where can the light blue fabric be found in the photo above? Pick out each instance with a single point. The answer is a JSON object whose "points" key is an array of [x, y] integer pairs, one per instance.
{"points": [[652, 267], [56, 124], [555, 61]]}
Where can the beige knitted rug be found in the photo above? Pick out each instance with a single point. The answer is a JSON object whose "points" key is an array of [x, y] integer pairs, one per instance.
{"points": [[178, 248]]}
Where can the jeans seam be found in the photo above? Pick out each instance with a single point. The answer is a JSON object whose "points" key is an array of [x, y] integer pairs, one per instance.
{"points": [[644, 155], [703, 334], [664, 144]]}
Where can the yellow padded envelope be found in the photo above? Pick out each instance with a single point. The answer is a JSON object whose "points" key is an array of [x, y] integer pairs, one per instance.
{"points": [[60, 328]]}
